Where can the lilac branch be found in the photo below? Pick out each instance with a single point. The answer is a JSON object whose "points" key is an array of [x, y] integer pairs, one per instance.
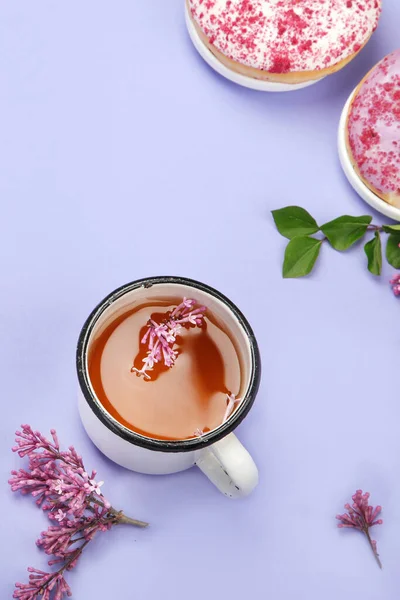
{"points": [[161, 337], [73, 501], [361, 516]]}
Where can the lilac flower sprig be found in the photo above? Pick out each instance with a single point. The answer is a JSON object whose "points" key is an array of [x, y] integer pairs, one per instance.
{"points": [[361, 516], [43, 584], [73, 501], [161, 337]]}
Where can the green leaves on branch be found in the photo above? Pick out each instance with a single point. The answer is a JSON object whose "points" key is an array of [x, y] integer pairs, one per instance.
{"points": [[391, 228], [293, 221], [302, 251], [345, 231], [300, 256], [393, 250], [373, 250]]}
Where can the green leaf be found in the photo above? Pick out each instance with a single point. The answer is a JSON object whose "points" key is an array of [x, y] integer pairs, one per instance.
{"points": [[300, 256], [393, 250], [345, 231], [294, 221], [391, 228], [373, 250]]}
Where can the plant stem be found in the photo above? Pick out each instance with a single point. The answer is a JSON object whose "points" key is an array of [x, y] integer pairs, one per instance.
{"points": [[77, 552], [95, 501], [124, 520], [121, 518], [378, 560], [72, 542], [61, 570]]}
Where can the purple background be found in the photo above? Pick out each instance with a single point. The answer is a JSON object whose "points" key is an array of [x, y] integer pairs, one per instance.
{"points": [[123, 155]]}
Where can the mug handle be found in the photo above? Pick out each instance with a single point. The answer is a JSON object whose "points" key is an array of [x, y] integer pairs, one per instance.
{"points": [[229, 466]]}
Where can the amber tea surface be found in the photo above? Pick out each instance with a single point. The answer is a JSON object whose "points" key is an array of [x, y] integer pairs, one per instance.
{"points": [[177, 402]]}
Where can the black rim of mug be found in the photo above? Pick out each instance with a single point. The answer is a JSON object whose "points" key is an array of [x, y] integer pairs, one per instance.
{"points": [[188, 445]]}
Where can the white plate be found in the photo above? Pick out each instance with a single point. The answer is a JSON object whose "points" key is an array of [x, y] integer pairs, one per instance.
{"points": [[249, 82], [362, 190]]}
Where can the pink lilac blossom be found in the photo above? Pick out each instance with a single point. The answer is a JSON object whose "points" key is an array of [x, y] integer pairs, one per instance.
{"points": [[361, 516], [43, 585], [161, 337], [55, 478], [395, 283], [74, 503], [232, 401]]}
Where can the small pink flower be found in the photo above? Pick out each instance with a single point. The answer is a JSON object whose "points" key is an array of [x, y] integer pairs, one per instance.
{"points": [[58, 488], [60, 515], [149, 361], [188, 303], [170, 336], [395, 283], [361, 516], [231, 403], [95, 487]]}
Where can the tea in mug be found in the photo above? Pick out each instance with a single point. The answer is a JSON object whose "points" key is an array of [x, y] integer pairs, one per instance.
{"points": [[166, 369]]}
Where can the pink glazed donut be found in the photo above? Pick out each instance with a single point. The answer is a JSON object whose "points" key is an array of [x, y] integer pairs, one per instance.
{"points": [[373, 129], [287, 41]]}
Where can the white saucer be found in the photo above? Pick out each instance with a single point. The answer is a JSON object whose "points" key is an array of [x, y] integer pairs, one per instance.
{"points": [[249, 82], [362, 190]]}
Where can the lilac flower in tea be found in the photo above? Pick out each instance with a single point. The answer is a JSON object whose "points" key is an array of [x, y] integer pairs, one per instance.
{"points": [[161, 337]]}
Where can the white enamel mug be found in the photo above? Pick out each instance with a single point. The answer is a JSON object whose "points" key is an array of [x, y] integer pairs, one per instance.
{"points": [[218, 453]]}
